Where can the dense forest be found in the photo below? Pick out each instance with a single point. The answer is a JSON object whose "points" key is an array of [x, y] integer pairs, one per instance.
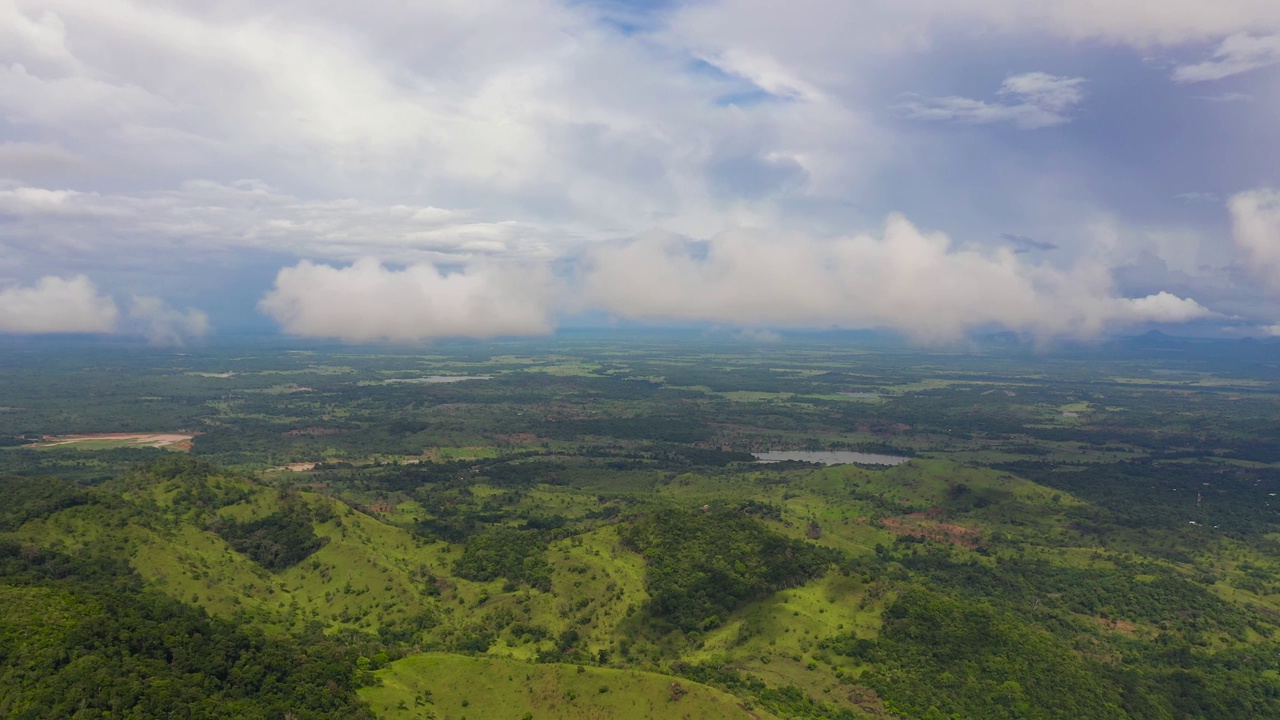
{"points": [[703, 565], [80, 637]]}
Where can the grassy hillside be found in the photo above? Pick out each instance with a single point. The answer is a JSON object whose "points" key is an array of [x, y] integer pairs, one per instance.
{"points": [[450, 687]]}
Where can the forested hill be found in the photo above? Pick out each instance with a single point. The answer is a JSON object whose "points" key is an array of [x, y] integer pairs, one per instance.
{"points": [[297, 629], [80, 637]]}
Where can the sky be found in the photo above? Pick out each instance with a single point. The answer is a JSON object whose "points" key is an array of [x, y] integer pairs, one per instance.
{"points": [[403, 171]]}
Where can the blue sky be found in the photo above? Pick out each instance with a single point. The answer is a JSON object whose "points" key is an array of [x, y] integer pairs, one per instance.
{"points": [[381, 171]]}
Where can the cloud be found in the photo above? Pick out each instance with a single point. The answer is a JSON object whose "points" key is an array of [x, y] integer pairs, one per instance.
{"points": [[1027, 244], [76, 305], [163, 325], [1255, 227], [914, 282], [368, 302], [1038, 100], [170, 139], [204, 217], [1237, 54], [764, 73], [1162, 307], [57, 305]]}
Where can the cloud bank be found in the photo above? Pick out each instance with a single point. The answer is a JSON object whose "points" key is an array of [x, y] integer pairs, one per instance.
{"points": [[914, 282], [57, 305], [917, 283], [368, 302], [75, 305]]}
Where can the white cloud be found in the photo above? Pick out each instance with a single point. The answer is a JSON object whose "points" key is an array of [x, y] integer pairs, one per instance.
{"points": [[367, 302], [1037, 100], [163, 325], [765, 73], [1255, 225], [1237, 54], [76, 305], [57, 305], [914, 282], [1163, 307]]}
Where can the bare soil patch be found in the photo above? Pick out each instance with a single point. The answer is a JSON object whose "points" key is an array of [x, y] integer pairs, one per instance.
{"points": [[179, 441], [918, 525]]}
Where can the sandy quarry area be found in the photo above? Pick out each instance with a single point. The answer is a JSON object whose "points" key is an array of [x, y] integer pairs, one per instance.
{"points": [[156, 440], [298, 467]]}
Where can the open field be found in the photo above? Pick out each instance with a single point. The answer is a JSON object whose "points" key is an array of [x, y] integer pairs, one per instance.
{"points": [[102, 441], [459, 687]]}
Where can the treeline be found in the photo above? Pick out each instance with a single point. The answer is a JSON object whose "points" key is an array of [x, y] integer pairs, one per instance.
{"points": [[516, 555], [30, 499], [1154, 495], [1161, 598], [938, 657], [79, 637], [704, 565], [73, 463], [276, 542]]}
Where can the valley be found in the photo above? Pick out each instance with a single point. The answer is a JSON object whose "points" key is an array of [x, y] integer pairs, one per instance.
{"points": [[587, 532]]}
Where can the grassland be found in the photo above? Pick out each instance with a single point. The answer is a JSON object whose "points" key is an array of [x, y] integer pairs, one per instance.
{"points": [[449, 687]]}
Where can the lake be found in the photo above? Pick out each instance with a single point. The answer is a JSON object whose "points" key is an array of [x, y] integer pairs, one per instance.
{"points": [[831, 457]]}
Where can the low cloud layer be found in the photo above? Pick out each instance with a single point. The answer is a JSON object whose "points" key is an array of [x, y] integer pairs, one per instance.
{"points": [[75, 305], [163, 325], [57, 305], [367, 302], [915, 282]]}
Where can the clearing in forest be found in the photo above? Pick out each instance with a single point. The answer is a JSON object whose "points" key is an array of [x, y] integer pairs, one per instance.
{"points": [[102, 441]]}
